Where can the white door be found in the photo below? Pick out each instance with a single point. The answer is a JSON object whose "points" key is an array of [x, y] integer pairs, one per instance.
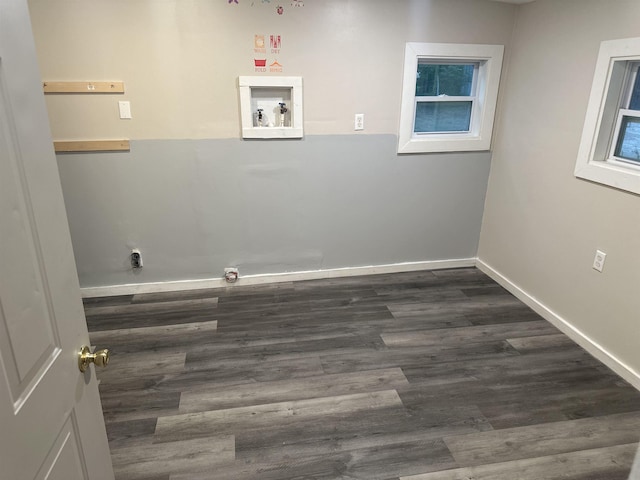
{"points": [[51, 424]]}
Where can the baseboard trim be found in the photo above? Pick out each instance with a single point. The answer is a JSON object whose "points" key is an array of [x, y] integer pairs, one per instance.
{"points": [[591, 346], [155, 287]]}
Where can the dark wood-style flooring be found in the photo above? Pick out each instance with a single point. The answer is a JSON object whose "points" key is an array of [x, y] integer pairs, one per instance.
{"points": [[438, 375]]}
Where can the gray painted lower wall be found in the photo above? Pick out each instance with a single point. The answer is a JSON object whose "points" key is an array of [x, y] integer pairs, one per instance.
{"points": [[194, 207]]}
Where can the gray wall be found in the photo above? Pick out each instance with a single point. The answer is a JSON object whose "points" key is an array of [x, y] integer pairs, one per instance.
{"points": [[194, 197], [196, 206], [542, 225]]}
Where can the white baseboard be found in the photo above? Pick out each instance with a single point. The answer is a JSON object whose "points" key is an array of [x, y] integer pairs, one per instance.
{"points": [[591, 346], [136, 288]]}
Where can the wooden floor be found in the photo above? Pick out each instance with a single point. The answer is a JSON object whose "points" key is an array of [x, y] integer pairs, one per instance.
{"points": [[417, 376]]}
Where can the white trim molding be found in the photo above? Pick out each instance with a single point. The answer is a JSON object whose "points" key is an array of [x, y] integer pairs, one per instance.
{"points": [[154, 287], [562, 324], [254, 88], [489, 60], [610, 79]]}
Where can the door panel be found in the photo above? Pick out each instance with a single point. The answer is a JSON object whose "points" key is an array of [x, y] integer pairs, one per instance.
{"points": [[26, 313], [50, 414], [63, 461]]}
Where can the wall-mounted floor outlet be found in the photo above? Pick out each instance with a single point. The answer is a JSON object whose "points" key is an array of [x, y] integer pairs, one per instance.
{"points": [[598, 261], [359, 121], [136, 258], [231, 274]]}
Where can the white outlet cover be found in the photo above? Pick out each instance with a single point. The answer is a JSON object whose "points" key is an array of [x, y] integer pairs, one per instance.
{"points": [[125, 110], [598, 260], [359, 121]]}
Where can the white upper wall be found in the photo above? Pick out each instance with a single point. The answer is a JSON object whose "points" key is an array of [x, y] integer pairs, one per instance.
{"points": [[180, 59], [542, 225]]}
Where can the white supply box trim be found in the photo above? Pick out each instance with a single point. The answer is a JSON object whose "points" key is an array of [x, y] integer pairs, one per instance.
{"points": [[135, 288], [595, 349]]}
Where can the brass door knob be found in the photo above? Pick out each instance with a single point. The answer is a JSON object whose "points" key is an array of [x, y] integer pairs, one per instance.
{"points": [[99, 357]]}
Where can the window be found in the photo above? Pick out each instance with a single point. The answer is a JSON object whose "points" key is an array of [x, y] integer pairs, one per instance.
{"points": [[449, 97], [610, 147], [625, 146]]}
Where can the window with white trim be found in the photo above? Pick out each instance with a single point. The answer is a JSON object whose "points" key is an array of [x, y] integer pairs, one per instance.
{"points": [[609, 150], [449, 97]]}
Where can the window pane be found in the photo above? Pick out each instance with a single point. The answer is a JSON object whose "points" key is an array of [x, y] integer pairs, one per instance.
{"points": [[442, 117], [629, 139], [634, 104], [453, 80]]}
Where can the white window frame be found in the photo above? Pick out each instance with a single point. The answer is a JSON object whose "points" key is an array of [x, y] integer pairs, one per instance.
{"points": [[608, 102], [445, 98], [487, 80]]}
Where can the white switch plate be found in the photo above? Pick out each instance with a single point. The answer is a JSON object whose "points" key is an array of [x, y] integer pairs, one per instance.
{"points": [[359, 121], [125, 110], [598, 261]]}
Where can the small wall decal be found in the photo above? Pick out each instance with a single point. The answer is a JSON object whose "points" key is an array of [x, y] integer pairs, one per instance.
{"points": [[276, 42], [233, 1], [266, 50], [258, 44], [297, 3], [280, 10]]}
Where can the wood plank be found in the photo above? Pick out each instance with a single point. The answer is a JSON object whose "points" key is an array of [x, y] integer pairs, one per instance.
{"points": [[611, 463], [91, 146], [541, 342], [461, 335], [374, 463], [190, 456], [162, 297], [348, 431], [226, 375], [131, 432], [203, 424], [141, 364], [414, 357], [129, 340], [544, 439], [138, 404], [152, 308], [83, 87], [200, 400]]}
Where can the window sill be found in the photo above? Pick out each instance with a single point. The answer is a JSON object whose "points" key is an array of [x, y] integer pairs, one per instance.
{"points": [[607, 173], [444, 143]]}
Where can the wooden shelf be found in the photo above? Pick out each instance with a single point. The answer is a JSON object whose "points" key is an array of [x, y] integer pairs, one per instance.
{"points": [[92, 146], [83, 87]]}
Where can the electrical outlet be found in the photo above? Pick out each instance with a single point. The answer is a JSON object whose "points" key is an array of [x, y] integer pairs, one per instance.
{"points": [[359, 121], [598, 261], [136, 258]]}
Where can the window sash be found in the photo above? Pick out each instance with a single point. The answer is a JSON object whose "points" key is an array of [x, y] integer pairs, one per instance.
{"points": [[443, 98], [432, 61], [618, 134], [630, 85]]}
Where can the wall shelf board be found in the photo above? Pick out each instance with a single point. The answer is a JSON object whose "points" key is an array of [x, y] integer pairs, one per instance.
{"points": [[91, 146], [83, 87], [266, 93]]}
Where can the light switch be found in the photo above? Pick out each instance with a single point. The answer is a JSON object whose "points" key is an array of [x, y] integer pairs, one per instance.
{"points": [[125, 109]]}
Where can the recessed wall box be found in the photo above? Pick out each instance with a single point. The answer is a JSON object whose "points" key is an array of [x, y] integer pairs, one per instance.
{"points": [[271, 107]]}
